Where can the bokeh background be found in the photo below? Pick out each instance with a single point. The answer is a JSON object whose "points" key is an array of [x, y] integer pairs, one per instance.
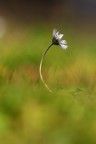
{"points": [[29, 114]]}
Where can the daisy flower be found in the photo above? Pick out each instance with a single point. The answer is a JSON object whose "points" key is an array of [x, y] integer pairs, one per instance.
{"points": [[56, 40]]}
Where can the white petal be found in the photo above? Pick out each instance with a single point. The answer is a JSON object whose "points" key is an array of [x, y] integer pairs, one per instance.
{"points": [[60, 36], [54, 32], [57, 34], [63, 42], [63, 46]]}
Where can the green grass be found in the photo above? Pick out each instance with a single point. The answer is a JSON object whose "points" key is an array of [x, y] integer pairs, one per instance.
{"points": [[28, 112]]}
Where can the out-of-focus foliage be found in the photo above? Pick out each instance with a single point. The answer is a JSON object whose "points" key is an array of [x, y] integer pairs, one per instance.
{"points": [[29, 114]]}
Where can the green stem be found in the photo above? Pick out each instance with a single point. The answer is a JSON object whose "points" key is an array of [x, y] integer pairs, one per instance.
{"points": [[40, 67]]}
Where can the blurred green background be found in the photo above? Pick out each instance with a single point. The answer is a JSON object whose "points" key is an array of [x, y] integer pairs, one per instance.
{"points": [[29, 114]]}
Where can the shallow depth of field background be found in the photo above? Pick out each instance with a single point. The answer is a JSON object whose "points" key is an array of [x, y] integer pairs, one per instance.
{"points": [[29, 114]]}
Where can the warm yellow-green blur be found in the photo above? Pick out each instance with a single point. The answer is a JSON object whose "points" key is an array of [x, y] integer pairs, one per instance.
{"points": [[28, 112]]}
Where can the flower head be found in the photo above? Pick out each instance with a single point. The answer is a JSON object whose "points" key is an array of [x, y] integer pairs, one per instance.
{"points": [[57, 39]]}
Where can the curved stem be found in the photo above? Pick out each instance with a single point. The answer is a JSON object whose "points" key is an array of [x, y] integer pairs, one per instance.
{"points": [[40, 68]]}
